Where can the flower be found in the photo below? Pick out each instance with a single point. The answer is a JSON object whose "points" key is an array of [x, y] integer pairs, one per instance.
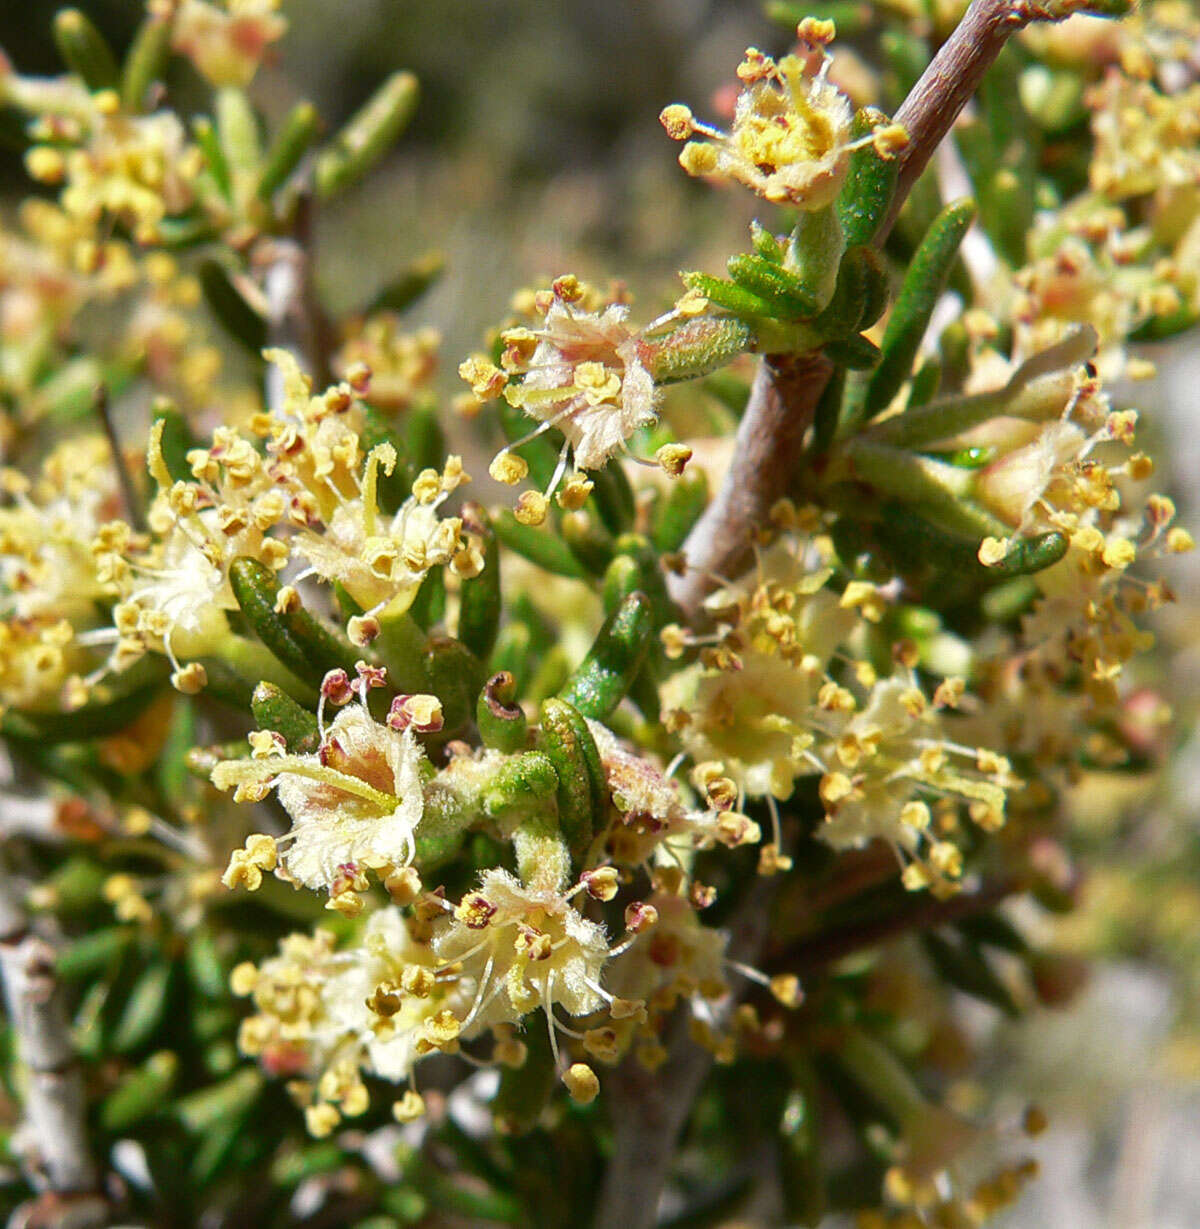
{"points": [[137, 169], [174, 587], [580, 371], [355, 804], [650, 809], [401, 365], [328, 1015], [333, 498], [883, 760], [678, 957], [227, 43], [522, 948], [790, 141], [387, 993], [1146, 140], [46, 561], [749, 707]]}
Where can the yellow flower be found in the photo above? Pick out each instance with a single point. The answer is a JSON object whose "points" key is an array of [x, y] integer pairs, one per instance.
{"points": [[522, 948], [790, 140]]}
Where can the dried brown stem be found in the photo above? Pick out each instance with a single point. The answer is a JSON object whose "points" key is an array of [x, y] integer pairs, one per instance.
{"points": [[53, 1138]]}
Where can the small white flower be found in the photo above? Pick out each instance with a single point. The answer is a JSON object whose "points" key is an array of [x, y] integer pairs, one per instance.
{"points": [[355, 804], [584, 376], [522, 948]]}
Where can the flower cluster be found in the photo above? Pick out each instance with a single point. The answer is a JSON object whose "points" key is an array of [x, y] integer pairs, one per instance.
{"points": [[640, 762]]}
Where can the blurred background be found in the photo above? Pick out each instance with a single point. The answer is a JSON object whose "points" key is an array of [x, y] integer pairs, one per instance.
{"points": [[537, 150]]}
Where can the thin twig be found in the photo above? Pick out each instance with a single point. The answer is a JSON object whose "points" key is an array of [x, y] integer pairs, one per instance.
{"points": [[295, 320], [53, 1139], [924, 913]]}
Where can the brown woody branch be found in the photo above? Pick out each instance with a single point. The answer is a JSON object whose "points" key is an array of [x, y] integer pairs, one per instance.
{"points": [[950, 81], [53, 1142], [767, 452], [923, 913], [649, 1108]]}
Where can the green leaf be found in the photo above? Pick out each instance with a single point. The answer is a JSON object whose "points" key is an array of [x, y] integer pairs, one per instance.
{"points": [[298, 641], [965, 968], [299, 131], [391, 490], [924, 384], [856, 353], [428, 608], [765, 244], [588, 540], [274, 709], [94, 953], [787, 295], [84, 50], [230, 1099], [679, 510], [814, 255], [144, 62], [828, 412], [522, 783], [501, 721], [454, 674], [409, 285], [176, 441], [613, 497], [368, 135], [856, 296], [617, 654], [539, 546], [206, 136], [141, 1093], [237, 128], [850, 16], [228, 305], [728, 295], [1028, 555], [564, 737], [923, 284], [870, 183], [144, 1009], [480, 600]]}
